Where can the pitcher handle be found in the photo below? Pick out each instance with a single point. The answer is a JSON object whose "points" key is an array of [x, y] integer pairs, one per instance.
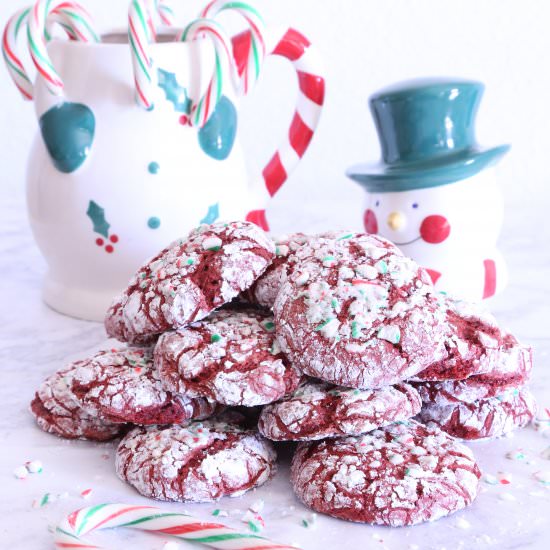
{"points": [[294, 46]]}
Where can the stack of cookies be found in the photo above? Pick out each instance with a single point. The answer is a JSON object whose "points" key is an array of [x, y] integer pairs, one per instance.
{"points": [[234, 341]]}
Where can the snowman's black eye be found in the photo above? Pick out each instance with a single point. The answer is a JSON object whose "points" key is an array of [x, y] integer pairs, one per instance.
{"points": [[377, 203], [415, 205]]}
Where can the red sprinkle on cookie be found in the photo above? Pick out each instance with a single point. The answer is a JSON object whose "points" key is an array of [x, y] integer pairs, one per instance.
{"points": [[189, 279], [201, 462], [491, 417], [57, 412], [403, 474], [231, 357], [355, 312], [318, 410], [476, 345], [122, 386]]}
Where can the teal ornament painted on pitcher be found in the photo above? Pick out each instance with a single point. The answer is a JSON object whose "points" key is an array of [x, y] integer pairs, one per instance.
{"points": [[68, 131], [217, 136], [426, 130]]}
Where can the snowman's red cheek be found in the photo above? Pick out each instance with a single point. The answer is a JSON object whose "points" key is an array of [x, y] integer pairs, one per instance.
{"points": [[370, 221], [435, 229]]}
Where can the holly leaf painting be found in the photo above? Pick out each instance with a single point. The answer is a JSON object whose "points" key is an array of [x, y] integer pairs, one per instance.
{"points": [[212, 215], [175, 94], [97, 215]]}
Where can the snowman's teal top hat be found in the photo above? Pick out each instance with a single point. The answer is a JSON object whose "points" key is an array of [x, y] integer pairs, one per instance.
{"points": [[426, 130]]}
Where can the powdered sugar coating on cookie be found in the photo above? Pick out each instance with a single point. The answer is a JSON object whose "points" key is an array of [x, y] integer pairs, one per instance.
{"points": [[470, 389], [401, 475], [231, 357], [485, 418], [475, 344], [123, 386], [189, 279], [264, 291], [318, 410], [201, 462], [355, 312], [57, 412]]}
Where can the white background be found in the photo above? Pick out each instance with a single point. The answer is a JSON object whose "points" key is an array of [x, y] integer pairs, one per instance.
{"points": [[367, 44]]}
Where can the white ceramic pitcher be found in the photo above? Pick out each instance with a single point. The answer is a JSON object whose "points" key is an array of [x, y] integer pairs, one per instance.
{"points": [[110, 184]]}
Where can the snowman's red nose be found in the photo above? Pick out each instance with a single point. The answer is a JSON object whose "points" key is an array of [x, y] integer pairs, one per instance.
{"points": [[370, 221], [435, 229]]}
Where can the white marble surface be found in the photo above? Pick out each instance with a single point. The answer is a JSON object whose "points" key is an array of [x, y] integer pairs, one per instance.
{"points": [[35, 340]]}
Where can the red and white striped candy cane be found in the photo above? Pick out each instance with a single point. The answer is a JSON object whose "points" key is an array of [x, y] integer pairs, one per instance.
{"points": [[155, 520], [74, 16], [295, 47], [202, 109], [252, 64]]}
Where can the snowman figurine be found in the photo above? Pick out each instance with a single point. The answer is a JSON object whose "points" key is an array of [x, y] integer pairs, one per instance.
{"points": [[435, 193]]}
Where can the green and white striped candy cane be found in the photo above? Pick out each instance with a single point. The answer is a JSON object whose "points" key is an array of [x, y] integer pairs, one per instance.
{"points": [[72, 17], [258, 49], [75, 17], [205, 106], [155, 520]]}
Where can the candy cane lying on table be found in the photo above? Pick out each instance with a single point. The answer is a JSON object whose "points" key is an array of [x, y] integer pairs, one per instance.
{"points": [[205, 106], [295, 47], [252, 67], [74, 19], [154, 520]]}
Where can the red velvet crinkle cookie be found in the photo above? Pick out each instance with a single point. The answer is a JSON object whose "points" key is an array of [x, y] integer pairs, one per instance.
{"points": [[355, 312], [476, 345], [469, 390], [189, 279], [56, 411], [264, 291], [200, 462], [403, 474], [122, 386], [318, 410], [485, 418], [231, 357]]}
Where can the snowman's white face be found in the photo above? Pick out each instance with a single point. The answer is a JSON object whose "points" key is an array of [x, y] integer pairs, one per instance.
{"points": [[406, 217], [469, 210]]}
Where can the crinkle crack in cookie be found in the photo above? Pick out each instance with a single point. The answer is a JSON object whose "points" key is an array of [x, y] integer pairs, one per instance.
{"points": [[189, 279], [264, 291], [469, 390], [57, 411], [476, 345], [491, 417], [201, 462], [122, 386], [318, 410], [355, 312], [231, 357], [401, 475]]}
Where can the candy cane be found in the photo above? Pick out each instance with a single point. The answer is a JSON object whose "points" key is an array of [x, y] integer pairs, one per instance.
{"points": [[252, 68], [295, 47], [163, 9], [141, 32], [9, 51], [154, 520], [203, 109], [36, 34], [74, 19]]}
